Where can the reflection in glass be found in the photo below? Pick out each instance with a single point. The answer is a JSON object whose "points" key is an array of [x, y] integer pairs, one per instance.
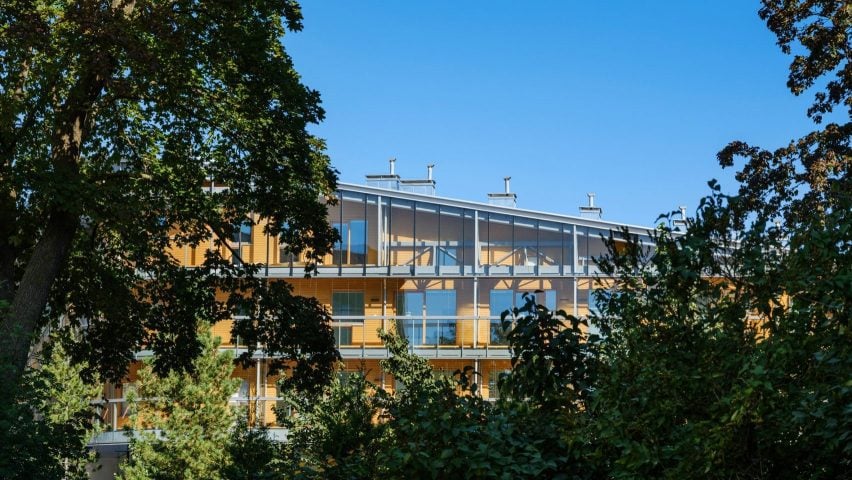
{"points": [[451, 233], [424, 329], [346, 304], [401, 232], [525, 242], [426, 234], [550, 245], [352, 226], [499, 239]]}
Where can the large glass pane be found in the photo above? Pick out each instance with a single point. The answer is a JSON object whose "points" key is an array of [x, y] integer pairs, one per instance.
{"points": [[468, 239], [351, 250], [550, 247], [541, 297], [372, 247], [499, 239], [484, 241], [410, 304], [242, 232], [582, 249], [426, 232], [526, 243], [346, 304], [401, 232], [440, 303], [568, 248], [597, 247], [499, 301], [451, 237]]}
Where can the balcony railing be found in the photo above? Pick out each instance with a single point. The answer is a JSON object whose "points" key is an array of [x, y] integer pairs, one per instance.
{"points": [[440, 332]]}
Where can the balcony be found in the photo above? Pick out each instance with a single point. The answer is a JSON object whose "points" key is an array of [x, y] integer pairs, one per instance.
{"points": [[428, 336]]}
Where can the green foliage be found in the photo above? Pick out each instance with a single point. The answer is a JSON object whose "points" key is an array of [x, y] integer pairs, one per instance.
{"points": [[254, 456], [334, 435], [52, 443], [128, 128], [553, 359], [183, 421], [120, 124], [730, 351], [431, 427]]}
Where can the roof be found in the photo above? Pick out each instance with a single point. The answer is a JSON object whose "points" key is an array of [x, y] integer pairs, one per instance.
{"points": [[485, 207]]}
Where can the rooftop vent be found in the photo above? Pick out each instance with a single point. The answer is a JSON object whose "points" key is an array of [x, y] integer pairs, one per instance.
{"points": [[505, 198], [680, 224], [590, 210], [385, 180], [424, 186]]}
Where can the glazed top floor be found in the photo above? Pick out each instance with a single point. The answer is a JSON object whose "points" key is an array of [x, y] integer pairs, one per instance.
{"points": [[397, 233]]}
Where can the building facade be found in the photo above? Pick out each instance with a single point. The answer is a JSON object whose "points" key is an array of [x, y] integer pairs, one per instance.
{"points": [[437, 270]]}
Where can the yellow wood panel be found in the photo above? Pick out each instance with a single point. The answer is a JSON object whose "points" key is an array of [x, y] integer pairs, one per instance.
{"points": [[484, 332], [464, 333], [371, 336], [223, 330]]}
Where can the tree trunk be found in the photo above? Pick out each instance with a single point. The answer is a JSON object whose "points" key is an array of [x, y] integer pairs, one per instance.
{"points": [[31, 296]]}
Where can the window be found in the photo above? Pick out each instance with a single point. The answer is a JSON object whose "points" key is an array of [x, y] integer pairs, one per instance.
{"points": [[352, 247], [493, 382], [242, 392], [346, 304], [440, 303], [502, 300], [242, 233], [425, 330], [499, 302]]}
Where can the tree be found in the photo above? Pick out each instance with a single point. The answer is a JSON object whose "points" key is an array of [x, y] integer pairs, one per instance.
{"points": [[113, 116], [431, 427], [53, 442], [254, 455], [182, 422], [730, 351]]}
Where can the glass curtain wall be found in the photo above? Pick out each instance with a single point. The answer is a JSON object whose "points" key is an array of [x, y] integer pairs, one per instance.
{"points": [[351, 250], [468, 244], [550, 248], [426, 234], [500, 241], [372, 228], [525, 251], [450, 255], [567, 248], [401, 233]]}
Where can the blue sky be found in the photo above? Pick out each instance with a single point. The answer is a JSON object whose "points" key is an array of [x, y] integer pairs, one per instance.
{"points": [[627, 99]]}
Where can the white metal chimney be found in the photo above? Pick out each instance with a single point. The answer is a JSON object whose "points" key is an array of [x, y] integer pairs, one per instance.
{"points": [[590, 210], [504, 199], [385, 180], [680, 224], [425, 186]]}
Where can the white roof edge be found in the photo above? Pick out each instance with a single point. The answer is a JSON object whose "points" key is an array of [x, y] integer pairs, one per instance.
{"points": [[553, 217]]}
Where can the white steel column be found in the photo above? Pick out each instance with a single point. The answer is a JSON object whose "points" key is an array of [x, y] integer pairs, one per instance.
{"points": [[384, 303], [379, 229], [476, 258], [476, 254], [574, 286], [259, 410], [475, 311]]}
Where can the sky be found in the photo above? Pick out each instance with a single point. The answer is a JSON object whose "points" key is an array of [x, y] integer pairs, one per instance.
{"points": [[627, 99]]}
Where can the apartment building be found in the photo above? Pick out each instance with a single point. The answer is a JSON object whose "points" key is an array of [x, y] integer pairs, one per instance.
{"points": [[439, 271]]}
